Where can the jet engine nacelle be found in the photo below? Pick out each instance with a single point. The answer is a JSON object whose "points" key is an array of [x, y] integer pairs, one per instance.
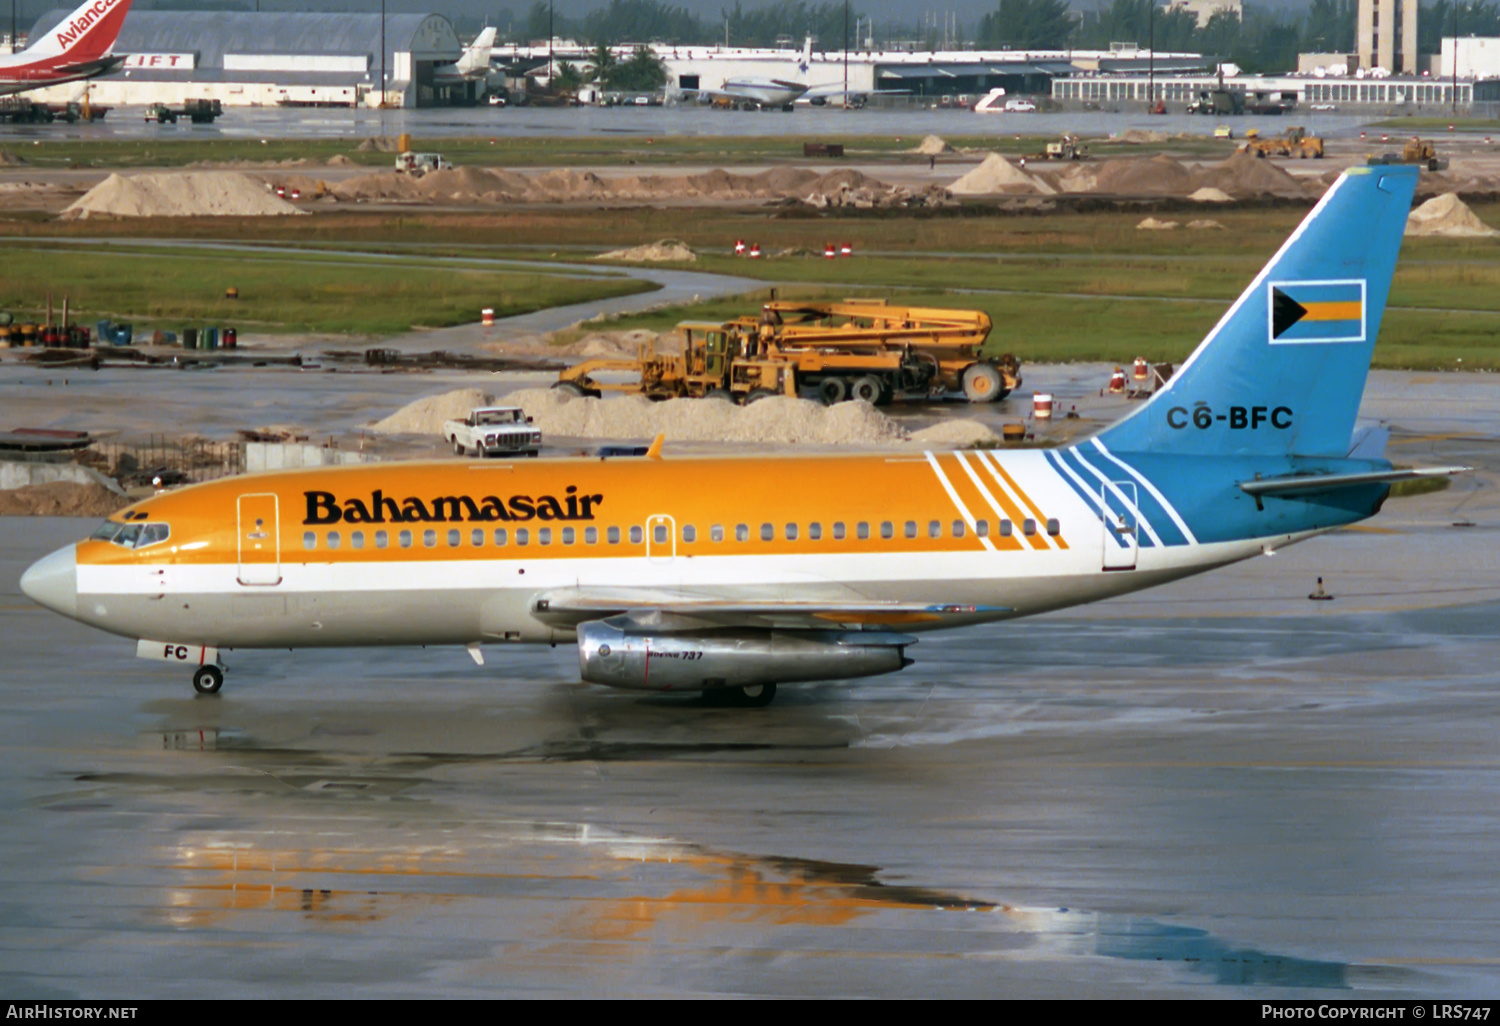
{"points": [[626, 656]]}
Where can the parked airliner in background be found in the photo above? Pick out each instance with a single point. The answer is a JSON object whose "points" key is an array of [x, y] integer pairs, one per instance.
{"points": [[78, 47], [472, 66], [730, 575], [763, 93]]}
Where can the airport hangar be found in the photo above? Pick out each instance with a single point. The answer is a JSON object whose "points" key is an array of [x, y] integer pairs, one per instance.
{"points": [[919, 74], [268, 58]]}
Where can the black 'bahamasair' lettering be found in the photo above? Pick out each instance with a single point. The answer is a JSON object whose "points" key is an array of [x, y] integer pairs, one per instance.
{"points": [[327, 508]]}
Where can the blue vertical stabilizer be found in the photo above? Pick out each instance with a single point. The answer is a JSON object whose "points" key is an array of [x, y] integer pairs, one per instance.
{"points": [[1283, 371]]}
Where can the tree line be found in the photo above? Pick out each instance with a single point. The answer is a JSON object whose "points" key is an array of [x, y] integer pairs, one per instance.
{"points": [[1262, 41]]}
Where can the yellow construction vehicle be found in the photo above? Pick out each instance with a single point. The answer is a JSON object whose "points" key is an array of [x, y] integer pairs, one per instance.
{"points": [[1294, 142], [855, 349], [1416, 151]]}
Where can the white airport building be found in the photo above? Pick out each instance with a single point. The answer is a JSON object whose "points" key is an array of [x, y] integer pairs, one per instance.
{"points": [[267, 58]]}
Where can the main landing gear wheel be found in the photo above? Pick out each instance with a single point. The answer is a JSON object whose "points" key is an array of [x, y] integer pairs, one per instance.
{"points": [[982, 383], [207, 680], [753, 696], [832, 391], [866, 388]]}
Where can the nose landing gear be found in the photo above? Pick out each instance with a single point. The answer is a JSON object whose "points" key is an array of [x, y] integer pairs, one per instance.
{"points": [[208, 679]]}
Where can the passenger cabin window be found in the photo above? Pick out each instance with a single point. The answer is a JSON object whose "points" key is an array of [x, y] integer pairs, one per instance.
{"points": [[1005, 529], [613, 534], [864, 529], [838, 530], [636, 535], [455, 537], [911, 528], [982, 528], [568, 536], [791, 532], [500, 536], [659, 534], [934, 529], [591, 535], [476, 537], [381, 539], [958, 528], [716, 533], [689, 533], [405, 539], [767, 532], [309, 540], [1053, 527], [523, 536], [742, 532], [1028, 527], [544, 536], [333, 539], [887, 529], [815, 531], [356, 539]]}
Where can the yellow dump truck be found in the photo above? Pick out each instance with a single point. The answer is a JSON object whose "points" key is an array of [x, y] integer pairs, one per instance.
{"points": [[854, 349]]}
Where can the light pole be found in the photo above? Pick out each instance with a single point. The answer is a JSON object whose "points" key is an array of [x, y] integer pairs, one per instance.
{"points": [[846, 54], [1455, 58]]}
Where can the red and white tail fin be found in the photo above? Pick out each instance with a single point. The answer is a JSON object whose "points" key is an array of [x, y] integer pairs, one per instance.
{"points": [[87, 34]]}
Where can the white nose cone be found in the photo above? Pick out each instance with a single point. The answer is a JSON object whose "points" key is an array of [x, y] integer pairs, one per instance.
{"points": [[52, 581]]}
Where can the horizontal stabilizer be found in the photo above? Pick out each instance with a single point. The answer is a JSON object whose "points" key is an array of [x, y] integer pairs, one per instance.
{"points": [[1311, 484]]}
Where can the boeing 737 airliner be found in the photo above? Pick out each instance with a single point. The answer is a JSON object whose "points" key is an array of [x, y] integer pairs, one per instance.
{"points": [[733, 575]]}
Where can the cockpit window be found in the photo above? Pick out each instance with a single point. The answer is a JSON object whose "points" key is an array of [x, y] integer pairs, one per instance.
{"points": [[106, 531], [152, 534], [131, 536]]}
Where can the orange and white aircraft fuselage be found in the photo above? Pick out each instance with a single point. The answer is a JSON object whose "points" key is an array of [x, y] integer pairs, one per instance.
{"points": [[732, 575]]}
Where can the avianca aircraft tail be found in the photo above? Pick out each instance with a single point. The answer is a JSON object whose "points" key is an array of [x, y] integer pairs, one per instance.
{"points": [[1283, 371], [77, 47]]}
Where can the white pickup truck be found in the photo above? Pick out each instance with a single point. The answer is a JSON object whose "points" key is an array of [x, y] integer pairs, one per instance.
{"points": [[494, 431]]}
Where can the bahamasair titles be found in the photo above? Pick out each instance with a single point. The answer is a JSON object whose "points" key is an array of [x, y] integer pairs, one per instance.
{"points": [[731, 575]]}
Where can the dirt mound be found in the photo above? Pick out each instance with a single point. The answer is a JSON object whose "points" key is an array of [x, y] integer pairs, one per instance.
{"points": [[995, 174], [1151, 224], [1076, 178], [426, 416], [179, 194], [60, 499], [339, 160], [1244, 174], [1206, 223], [471, 184], [568, 184], [1447, 215], [380, 185], [777, 419], [661, 251], [1140, 135], [378, 144], [9, 159], [932, 145], [783, 181], [1154, 176], [956, 434], [1211, 195]]}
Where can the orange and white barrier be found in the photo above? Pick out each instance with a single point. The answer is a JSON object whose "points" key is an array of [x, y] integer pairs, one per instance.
{"points": [[1041, 405]]}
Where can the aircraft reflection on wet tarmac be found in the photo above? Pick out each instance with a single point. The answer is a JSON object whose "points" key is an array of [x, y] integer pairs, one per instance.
{"points": [[221, 878]]}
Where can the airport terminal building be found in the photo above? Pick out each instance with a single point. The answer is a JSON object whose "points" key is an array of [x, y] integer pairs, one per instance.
{"points": [[267, 58]]}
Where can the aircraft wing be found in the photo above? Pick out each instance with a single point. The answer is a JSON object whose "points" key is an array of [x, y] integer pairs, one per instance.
{"points": [[684, 610]]}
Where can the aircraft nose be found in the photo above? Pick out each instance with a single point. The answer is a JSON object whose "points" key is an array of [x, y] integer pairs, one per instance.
{"points": [[52, 581]]}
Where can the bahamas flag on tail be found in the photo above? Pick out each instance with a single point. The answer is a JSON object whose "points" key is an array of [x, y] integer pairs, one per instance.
{"points": [[1317, 311]]}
